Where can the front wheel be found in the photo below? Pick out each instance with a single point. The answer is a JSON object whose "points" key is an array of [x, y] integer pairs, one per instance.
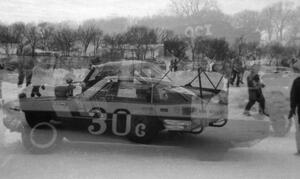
{"points": [[41, 138], [143, 130]]}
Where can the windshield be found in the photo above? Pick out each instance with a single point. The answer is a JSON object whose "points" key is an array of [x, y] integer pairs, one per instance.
{"points": [[182, 90], [128, 69]]}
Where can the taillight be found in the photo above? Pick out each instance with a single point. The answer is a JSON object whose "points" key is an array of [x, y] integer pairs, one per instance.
{"points": [[215, 99]]}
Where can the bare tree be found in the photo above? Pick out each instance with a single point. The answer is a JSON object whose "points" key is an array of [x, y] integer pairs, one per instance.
{"points": [[117, 44], [110, 42], [175, 47], [247, 24], [141, 37], [121, 42], [283, 16], [65, 38], [46, 31], [86, 34], [6, 38], [98, 38], [213, 48], [267, 16], [18, 33], [32, 37], [294, 30]]}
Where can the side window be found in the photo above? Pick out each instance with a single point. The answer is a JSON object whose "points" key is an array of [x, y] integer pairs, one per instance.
{"points": [[113, 90], [164, 96], [130, 92], [102, 93]]}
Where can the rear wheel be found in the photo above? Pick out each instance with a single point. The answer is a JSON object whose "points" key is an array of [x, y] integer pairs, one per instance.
{"points": [[41, 138], [143, 130]]}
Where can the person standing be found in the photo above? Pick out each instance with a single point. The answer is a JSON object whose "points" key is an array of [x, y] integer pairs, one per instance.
{"points": [[171, 67], [175, 65], [236, 71], [25, 66], [243, 69], [295, 107], [255, 92]]}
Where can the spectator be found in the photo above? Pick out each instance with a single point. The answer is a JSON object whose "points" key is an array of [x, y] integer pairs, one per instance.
{"points": [[171, 65], [25, 66], [175, 65], [236, 71], [243, 69], [295, 105], [255, 92]]}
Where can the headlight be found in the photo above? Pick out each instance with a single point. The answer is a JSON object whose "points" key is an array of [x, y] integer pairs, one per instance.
{"points": [[15, 108]]}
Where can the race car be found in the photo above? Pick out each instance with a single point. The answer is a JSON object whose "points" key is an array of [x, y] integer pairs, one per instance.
{"points": [[130, 98]]}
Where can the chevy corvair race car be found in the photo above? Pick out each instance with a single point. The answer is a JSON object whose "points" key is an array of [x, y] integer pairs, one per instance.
{"points": [[127, 98]]}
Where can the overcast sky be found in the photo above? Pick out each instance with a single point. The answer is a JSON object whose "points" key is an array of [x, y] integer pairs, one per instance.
{"points": [[78, 10]]}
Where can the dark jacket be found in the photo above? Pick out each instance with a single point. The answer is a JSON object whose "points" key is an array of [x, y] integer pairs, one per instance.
{"points": [[238, 65], [295, 95], [254, 87], [25, 66], [26, 63]]}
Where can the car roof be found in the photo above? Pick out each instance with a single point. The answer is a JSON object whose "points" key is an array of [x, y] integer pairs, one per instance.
{"points": [[123, 63], [130, 78]]}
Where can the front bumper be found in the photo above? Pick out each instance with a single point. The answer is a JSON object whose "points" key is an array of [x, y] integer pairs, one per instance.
{"points": [[13, 119]]}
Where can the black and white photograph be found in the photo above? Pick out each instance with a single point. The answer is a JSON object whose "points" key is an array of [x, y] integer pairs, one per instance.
{"points": [[149, 89]]}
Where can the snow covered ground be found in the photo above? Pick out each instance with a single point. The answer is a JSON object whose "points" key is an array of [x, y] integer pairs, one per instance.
{"points": [[204, 156], [272, 158]]}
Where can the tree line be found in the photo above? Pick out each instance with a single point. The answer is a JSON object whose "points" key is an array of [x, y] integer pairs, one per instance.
{"points": [[273, 31], [66, 39]]}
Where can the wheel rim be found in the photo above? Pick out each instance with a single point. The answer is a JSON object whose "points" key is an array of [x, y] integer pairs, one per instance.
{"points": [[37, 136]]}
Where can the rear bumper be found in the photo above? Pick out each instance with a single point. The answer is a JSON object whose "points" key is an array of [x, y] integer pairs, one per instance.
{"points": [[188, 125]]}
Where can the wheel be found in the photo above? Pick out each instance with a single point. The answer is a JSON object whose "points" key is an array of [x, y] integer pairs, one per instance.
{"points": [[143, 130], [198, 130], [33, 119], [41, 138]]}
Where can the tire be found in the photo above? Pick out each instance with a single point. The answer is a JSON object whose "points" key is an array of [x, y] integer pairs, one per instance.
{"points": [[41, 138], [33, 119], [143, 130]]}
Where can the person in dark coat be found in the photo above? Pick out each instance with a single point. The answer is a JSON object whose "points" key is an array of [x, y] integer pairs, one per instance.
{"points": [[295, 99], [236, 71], [255, 92], [175, 65], [295, 107], [25, 66]]}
